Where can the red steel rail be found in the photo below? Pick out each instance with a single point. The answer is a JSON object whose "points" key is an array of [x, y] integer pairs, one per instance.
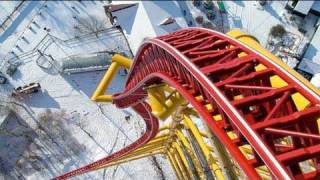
{"points": [[200, 62]]}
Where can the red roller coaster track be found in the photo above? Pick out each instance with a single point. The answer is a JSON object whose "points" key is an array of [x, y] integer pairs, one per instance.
{"points": [[203, 62]]}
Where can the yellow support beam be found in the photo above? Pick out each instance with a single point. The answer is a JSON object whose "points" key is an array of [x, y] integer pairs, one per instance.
{"points": [[174, 165], [204, 148], [183, 158], [137, 154], [252, 42], [157, 97], [122, 61], [155, 152], [162, 106], [179, 161], [147, 149], [117, 62], [188, 148], [186, 144]]}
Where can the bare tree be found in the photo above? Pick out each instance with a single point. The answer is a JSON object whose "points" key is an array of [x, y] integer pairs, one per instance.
{"points": [[277, 31], [208, 4], [196, 2], [52, 122], [199, 19], [89, 25], [208, 24]]}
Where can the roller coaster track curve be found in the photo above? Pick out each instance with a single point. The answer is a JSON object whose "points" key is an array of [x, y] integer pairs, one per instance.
{"points": [[246, 89]]}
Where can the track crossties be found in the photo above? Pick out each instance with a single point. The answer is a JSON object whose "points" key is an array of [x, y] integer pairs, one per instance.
{"points": [[266, 108], [235, 90]]}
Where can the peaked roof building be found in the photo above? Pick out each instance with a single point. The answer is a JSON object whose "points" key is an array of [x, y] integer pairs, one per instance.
{"points": [[142, 19]]}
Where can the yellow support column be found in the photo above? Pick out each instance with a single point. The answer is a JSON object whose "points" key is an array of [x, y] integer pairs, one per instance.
{"points": [[99, 95], [183, 158], [159, 151], [156, 97], [117, 61], [122, 61], [162, 107], [188, 148], [204, 148], [174, 165], [180, 163]]}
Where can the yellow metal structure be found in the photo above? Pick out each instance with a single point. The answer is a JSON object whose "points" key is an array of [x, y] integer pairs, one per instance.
{"points": [[253, 43], [117, 61], [192, 153]]}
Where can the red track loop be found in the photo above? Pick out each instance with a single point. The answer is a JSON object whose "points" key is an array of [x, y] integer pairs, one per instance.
{"points": [[203, 62]]}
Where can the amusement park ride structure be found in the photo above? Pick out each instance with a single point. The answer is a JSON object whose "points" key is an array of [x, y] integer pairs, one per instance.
{"points": [[260, 119]]}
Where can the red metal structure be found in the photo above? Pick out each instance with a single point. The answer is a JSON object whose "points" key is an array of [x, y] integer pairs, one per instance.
{"points": [[201, 62]]}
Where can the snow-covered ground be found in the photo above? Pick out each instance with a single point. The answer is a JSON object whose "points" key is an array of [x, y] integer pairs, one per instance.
{"points": [[60, 128]]}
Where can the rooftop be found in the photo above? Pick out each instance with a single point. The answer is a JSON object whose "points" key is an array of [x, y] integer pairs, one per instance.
{"points": [[303, 7], [145, 17], [313, 53]]}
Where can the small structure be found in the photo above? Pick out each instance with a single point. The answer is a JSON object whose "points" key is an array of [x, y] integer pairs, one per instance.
{"points": [[127, 118], [11, 68], [221, 6], [85, 62], [196, 2], [168, 20], [27, 89], [262, 2], [110, 8], [303, 8]]}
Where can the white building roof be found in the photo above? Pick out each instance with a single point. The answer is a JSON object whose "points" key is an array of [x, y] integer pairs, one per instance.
{"points": [[312, 54], [309, 66], [316, 6], [312, 68], [303, 7], [144, 19]]}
